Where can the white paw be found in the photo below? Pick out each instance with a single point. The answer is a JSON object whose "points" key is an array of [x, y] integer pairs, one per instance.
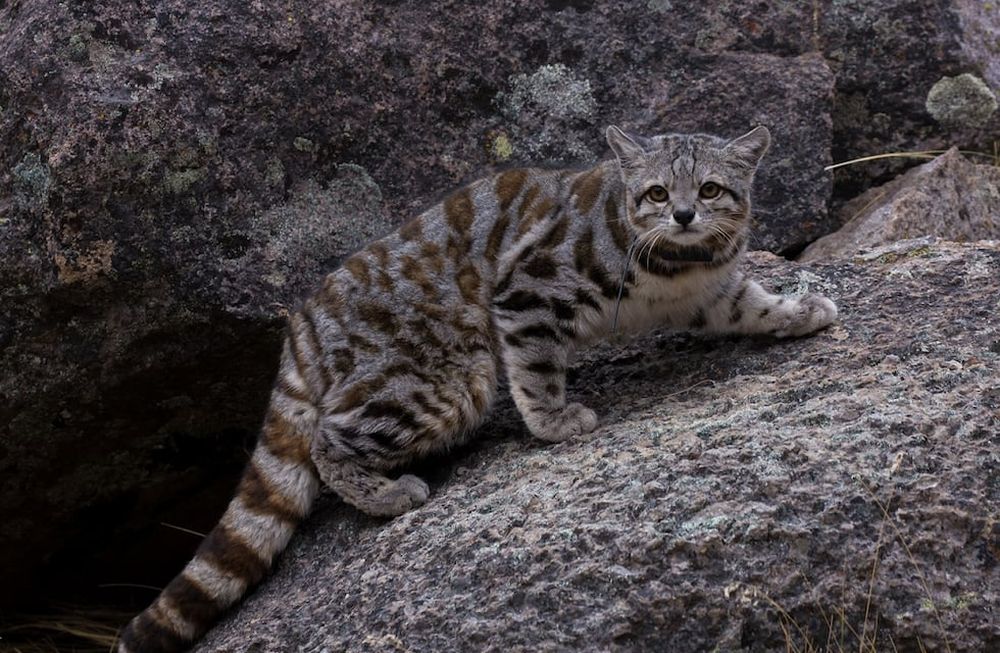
{"points": [[415, 487], [402, 495], [812, 312], [573, 420]]}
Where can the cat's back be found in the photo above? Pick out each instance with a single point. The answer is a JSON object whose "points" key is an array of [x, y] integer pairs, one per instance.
{"points": [[418, 300]]}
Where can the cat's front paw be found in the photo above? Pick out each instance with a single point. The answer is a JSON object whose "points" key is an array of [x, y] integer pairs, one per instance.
{"points": [[812, 312], [571, 421], [402, 495]]}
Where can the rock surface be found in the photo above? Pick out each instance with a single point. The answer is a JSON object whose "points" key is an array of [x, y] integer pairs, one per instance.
{"points": [[735, 489], [949, 197], [173, 175]]}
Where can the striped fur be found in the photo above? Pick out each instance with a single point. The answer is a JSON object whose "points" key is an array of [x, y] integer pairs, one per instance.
{"points": [[399, 353]]}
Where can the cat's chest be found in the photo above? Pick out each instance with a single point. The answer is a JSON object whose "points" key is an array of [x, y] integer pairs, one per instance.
{"points": [[655, 301]]}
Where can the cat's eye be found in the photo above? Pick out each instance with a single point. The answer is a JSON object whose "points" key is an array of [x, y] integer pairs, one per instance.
{"points": [[710, 190], [657, 194]]}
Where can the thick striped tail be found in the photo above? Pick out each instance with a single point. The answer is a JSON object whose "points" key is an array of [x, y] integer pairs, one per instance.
{"points": [[277, 490]]}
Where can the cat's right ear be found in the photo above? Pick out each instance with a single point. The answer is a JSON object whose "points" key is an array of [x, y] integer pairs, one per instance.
{"points": [[628, 151]]}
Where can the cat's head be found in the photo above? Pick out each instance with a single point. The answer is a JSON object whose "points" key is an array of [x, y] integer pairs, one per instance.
{"points": [[688, 195]]}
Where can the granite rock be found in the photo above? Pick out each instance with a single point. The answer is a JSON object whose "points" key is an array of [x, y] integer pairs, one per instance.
{"points": [[949, 197], [740, 495]]}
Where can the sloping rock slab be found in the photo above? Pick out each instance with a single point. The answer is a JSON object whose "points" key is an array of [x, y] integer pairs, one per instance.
{"points": [[734, 494], [949, 197]]}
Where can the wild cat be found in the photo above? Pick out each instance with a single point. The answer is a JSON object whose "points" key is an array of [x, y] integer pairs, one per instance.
{"points": [[399, 353]]}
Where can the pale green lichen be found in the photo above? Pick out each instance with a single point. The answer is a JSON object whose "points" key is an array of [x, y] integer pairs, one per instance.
{"points": [[552, 89], [162, 73], [322, 223], [32, 182], [274, 173], [546, 108], [209, 142], [303, 144], [659, 6], [962, 101], [961, 602], [892, 257], [501, 147], [179, 182], [77, 48]]}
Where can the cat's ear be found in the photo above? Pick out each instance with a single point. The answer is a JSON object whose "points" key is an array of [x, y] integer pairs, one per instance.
{"points": [[751, 146], [625, 147]]}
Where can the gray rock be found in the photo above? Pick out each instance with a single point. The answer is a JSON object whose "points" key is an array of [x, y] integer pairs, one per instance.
{"points": [[949, 197], [732, 500], [174, 175], [887, 57]]}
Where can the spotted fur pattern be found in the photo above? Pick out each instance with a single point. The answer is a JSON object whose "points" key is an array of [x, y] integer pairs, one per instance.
{"points": [[398, 355]]}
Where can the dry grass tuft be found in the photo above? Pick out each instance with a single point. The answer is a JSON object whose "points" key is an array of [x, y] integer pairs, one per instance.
{"points": [[69, 630], [842, 635]]}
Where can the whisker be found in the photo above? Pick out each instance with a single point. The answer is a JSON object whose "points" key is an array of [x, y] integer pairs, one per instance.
{"points": [[626, 263]]}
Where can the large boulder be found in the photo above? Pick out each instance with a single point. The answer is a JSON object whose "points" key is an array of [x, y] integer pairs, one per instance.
{"points": [[896, 64], [950, 197], [173, 175], [741, 494]]}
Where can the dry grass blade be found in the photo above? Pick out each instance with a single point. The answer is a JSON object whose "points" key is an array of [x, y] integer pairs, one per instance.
{"points": [[787, 618], [913, 561], [920, 154], [182, 529], [871, 589]]}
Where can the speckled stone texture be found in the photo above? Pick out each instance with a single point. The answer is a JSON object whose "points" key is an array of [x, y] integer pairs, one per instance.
{"points": [[949, 197], [735, 489], [175, 174]]}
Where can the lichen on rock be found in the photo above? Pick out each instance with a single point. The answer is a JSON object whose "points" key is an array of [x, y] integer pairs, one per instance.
{"points": [[961, 101], [319, 222], [546, 109], [32, 181]]}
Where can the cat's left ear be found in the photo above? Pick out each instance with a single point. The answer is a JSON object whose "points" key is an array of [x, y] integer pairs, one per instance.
{"points": [[751, 146]]}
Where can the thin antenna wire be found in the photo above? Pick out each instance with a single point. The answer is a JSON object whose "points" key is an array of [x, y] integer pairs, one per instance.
{"points": [[626, 262]]}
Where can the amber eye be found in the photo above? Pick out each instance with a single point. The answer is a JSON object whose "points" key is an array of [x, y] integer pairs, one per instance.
{"points": [[710, 190], [657, 194]]}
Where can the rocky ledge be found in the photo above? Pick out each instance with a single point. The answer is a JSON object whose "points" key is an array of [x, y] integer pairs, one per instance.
{"points": [[742, 494]]}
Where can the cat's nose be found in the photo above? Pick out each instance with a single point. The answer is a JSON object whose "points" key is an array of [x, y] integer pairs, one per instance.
{"points": [[684, 218]]}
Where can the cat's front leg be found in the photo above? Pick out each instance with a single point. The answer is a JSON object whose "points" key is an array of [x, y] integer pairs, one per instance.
{"points": [[536, 357], [743, 306]]}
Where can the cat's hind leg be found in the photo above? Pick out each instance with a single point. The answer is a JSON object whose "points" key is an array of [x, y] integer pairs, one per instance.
{"points": [[390, 418], [367, 489]]}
